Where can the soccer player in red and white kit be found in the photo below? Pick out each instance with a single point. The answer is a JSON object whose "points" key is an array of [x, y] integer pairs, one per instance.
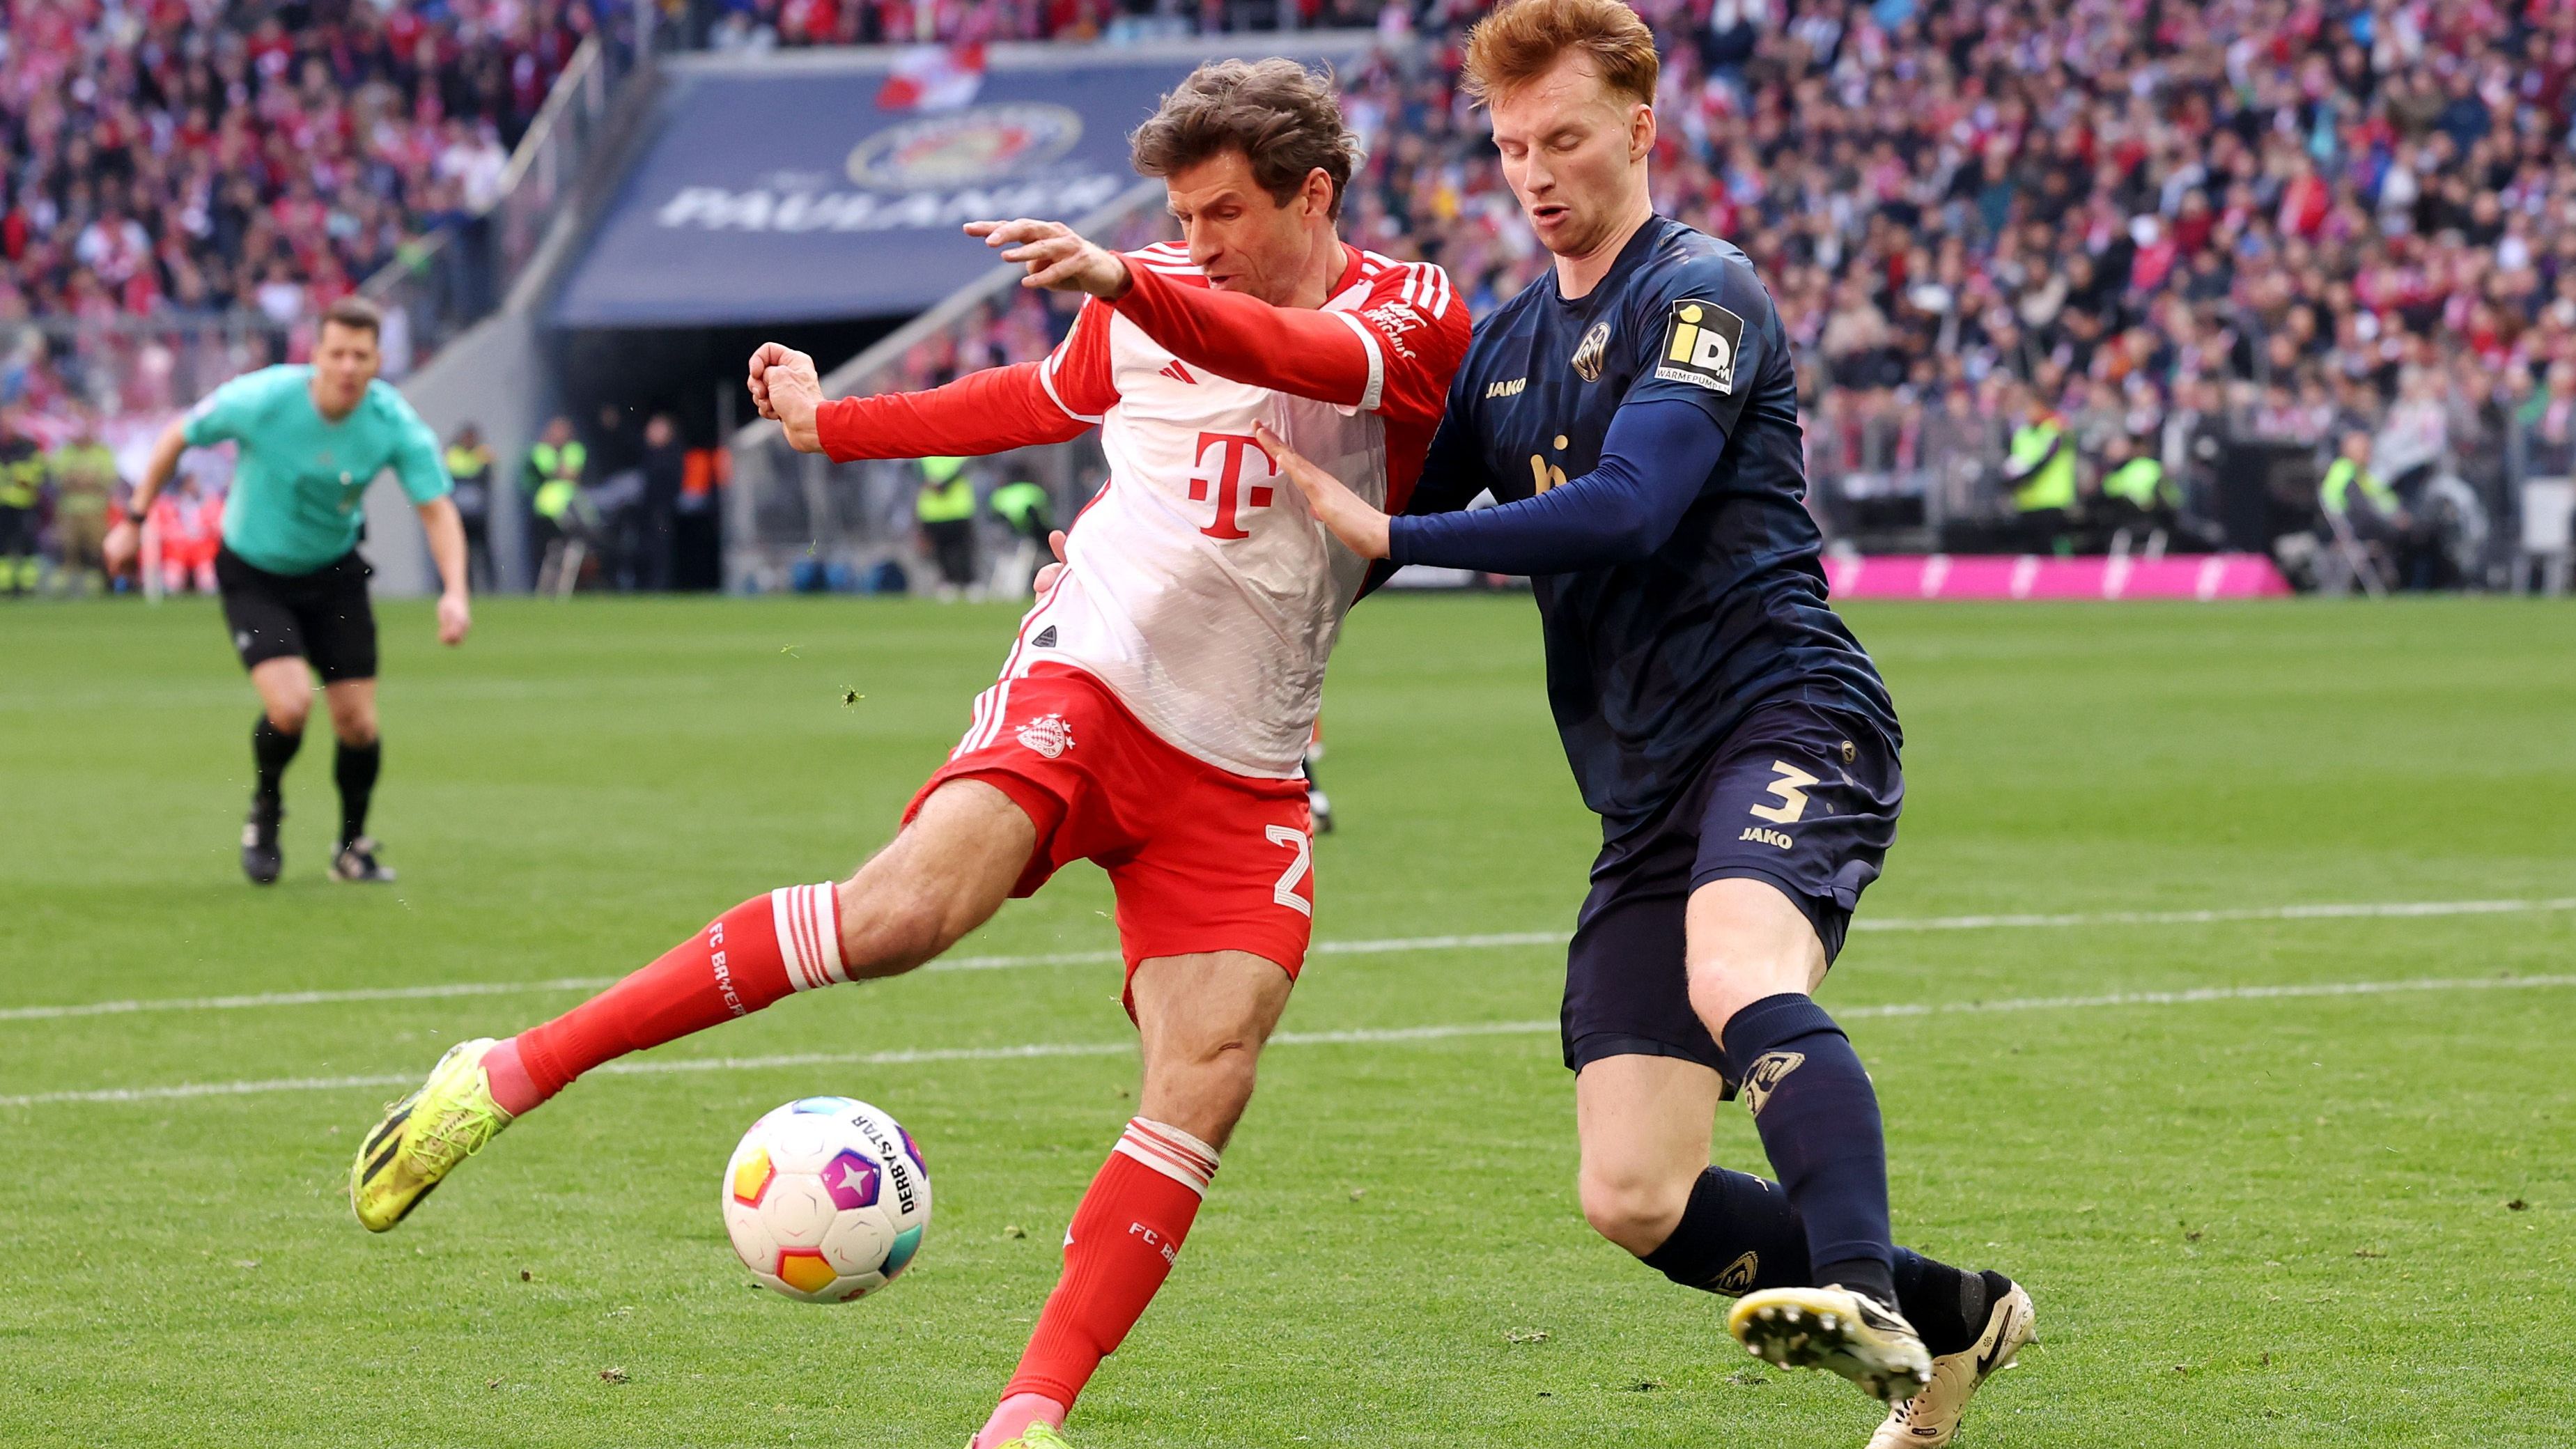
{"points": [[1156, 701]]}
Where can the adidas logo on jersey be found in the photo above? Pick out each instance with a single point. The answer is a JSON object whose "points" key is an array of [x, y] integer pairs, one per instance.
{"points": [[1177, 373], [1045, 638]]}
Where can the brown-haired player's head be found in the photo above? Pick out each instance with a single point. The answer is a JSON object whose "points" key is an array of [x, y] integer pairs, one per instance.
{"points": [[346, 355], [1255, 154], [1571, 88]]}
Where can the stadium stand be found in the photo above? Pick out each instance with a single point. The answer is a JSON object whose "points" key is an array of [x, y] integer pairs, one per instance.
{"points": [[2214, 237]]}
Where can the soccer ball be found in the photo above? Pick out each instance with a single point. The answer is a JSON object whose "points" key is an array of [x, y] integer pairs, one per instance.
{"points": [[826, 1199]]}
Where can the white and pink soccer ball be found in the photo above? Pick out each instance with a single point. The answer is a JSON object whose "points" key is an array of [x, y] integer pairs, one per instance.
{"points": [[826, 1199]]}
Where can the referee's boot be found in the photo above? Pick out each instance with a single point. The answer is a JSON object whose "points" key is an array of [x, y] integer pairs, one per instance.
{"points": [[357, 861], [261, 859]]}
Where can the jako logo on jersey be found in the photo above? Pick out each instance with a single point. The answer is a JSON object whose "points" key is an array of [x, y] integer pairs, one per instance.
{"points": [[1393, 320], [1588, 353], [1506, 389], [1048, 734], [1767, 1074], [1232, 494], [1737, 1280], [1700, 344], [1761, 836], [1177, 373]]}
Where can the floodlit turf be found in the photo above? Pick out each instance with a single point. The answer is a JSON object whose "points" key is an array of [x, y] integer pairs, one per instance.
{"points": [[2295, 1220]]}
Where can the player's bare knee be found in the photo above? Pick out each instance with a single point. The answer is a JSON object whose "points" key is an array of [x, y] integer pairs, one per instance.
{"points": [[1630, 1209], [289, 719]]}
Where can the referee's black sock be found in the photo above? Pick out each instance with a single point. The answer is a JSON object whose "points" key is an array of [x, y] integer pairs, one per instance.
{"points": [[1739, 1235], [272, 747], [355, 768], [1818, 1116]]}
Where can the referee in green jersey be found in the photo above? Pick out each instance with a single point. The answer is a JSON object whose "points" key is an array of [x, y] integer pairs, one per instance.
{"points": [[312, 438]]}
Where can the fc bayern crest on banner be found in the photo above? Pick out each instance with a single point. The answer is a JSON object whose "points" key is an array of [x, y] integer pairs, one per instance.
{"points": [[967, 148]]}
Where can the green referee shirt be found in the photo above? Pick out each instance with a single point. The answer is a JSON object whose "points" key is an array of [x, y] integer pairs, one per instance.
{"points": [[300, 484]]}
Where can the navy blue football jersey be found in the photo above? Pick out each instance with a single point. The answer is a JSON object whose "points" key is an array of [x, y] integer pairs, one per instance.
{"points": [[1651, 664]]}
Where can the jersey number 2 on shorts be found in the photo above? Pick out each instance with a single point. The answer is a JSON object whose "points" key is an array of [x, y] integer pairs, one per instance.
{"points": [[1286, 891], [1791, 787]]}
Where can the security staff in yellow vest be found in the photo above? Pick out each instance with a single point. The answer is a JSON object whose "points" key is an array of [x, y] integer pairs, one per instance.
{"points": [[551, 477], [1024, 506], [469, 463], [2136, 491], [2041, 470], [22, 482], [945, 508]]}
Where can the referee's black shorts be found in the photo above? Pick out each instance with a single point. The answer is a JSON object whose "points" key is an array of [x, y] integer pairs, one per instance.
{"points": [[1801, 797], [322, 617]]}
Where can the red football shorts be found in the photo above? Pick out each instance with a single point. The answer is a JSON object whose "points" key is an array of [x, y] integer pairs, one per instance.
{"points": [[1202, 859]]}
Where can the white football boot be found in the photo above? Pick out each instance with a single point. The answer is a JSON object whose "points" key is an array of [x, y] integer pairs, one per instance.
{"points": [[1839, 1331], [1931, 1418]]}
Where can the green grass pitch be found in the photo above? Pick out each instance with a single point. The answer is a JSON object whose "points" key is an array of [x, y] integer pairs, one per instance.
{"points": [[2299, 1219]]}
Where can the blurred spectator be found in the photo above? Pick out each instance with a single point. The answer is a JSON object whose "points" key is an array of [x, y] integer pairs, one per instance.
{"points": [[698, 528], [22, 482], [551, 478], [1022, 506], [945, 509], [469, 463], [85, 483], [186, 532], [665, 469]]}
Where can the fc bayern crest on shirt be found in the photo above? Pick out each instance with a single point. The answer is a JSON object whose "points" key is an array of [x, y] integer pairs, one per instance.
{"points": [[1048, 734]]}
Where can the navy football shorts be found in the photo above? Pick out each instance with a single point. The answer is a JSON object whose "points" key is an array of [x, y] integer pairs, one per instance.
{"points": [[1800, 796]]}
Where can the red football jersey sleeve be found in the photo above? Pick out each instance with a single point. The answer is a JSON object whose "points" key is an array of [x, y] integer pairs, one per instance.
{"points": [[1394, 354], [991, 411]]}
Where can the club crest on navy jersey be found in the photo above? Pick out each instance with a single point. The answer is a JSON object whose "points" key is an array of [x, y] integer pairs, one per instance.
{"points": [[1700, 344], [1588, 353]]}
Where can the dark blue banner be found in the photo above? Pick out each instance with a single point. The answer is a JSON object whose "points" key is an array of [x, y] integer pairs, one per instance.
{"points": [[783, 190]]}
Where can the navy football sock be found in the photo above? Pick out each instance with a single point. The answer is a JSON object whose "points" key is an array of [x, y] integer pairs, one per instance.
{"points": [[1818, 1116], [1737, 1235], [1946, 1305]]}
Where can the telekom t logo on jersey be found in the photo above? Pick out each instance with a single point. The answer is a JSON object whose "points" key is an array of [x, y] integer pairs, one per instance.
{"points": [[1232, 495]]}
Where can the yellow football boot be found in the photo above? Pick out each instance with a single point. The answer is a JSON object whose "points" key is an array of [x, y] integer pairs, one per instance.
{"points": [[1836, 1330], [424, 1136]]}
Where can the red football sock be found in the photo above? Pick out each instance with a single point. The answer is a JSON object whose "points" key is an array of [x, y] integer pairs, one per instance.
{"points": [[1116, 1255], [769, 946]]}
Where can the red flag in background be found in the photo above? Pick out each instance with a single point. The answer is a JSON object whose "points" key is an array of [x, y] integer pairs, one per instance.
{"points": [[933, 78]]}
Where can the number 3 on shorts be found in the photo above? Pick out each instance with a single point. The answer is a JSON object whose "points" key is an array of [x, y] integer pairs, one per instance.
{"points": [[1299, 841]]}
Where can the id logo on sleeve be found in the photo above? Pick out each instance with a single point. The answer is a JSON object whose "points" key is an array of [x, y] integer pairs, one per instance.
{"points": [[1699, 345]]}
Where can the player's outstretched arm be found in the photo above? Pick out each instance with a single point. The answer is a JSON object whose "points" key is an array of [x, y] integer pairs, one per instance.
{"points": [[1344, 514], [991, 411], [1654, 460]]}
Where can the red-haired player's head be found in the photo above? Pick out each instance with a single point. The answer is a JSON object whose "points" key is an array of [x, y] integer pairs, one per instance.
{"points": [[1570, 85]]}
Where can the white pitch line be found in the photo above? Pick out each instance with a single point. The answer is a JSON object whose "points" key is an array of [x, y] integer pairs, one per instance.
{"points": [[1356, 1037], [2331, 911]]}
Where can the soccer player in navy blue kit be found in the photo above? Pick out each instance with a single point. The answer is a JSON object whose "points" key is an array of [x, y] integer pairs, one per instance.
{"points": [[1635, 415]]}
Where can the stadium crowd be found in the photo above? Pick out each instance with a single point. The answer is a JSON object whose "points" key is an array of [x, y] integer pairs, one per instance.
{"points": [[2099, 234], [191, 155], [2044, 262]]}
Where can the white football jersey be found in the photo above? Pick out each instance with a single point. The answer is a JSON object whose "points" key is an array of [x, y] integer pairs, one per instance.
{"points": [[1197, 586]]}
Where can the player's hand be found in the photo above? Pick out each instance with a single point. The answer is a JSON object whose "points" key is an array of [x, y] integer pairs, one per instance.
{"points": [[1056, 257], [1361, 528], [454, 618], [122, 543], [788, 390], [1047, 576]]}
